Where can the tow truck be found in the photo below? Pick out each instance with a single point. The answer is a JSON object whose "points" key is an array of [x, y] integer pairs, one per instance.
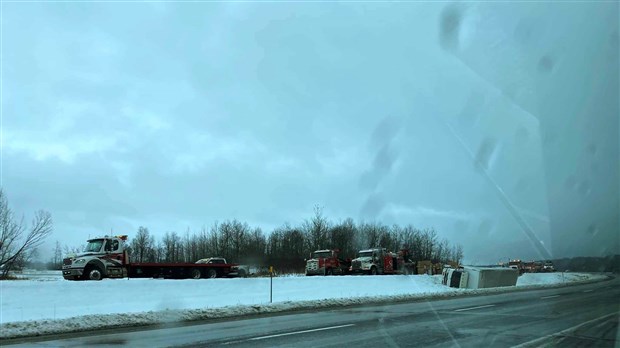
{"points": [[108, 257], [380, 261], [326, 262]]}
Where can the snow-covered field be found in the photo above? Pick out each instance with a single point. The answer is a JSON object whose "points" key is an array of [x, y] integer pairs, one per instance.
{"points": [[46, 303]]}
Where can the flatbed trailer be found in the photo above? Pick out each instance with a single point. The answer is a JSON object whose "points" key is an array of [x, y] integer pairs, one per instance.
{"points": [[178, 270]]}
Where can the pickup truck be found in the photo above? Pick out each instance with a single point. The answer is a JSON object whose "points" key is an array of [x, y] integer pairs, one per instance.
{"points": [[235, 270]]}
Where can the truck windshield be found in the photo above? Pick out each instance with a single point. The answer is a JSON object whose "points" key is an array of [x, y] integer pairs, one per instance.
{"points": [[321, 254], [94, 245], [365, 254]]}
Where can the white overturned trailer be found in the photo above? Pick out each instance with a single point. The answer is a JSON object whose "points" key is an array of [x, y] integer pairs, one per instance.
{"points": [[479, 277]]}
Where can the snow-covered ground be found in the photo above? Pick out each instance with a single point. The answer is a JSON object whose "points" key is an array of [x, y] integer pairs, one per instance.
{"points": [[46, 303]]}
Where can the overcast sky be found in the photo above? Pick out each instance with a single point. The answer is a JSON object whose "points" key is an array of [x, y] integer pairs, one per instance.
{"points": [[496, 124]]}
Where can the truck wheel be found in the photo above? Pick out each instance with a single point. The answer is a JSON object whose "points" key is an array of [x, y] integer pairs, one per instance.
{"points": [[329, 272], [93, 273], [211, 273], [373, 270], [196, 273], [242, 273]]}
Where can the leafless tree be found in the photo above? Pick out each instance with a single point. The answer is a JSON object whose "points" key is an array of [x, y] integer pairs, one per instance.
{"points": [[343, 236], [142, 245], [457, 253], [370, 235], [442, 251], [172, 247], [18, 242], [226, 239], [240, 233], [389, 238], [429, 243], [204, 248], [273, 248], [257, 248], [286, 248], [316, 230], [67, 250], [190, 247], [56, 262]]}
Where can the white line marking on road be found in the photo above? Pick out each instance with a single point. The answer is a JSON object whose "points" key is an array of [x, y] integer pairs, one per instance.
{"points": [[540, 341], [299, 332], [471, 308], [551, 296], [588, 290]]}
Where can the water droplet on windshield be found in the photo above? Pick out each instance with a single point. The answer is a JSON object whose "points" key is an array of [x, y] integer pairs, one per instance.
{"points": [[545, 64], [449, 27]]}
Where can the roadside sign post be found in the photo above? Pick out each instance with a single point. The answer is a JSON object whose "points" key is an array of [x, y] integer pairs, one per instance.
{"points": [[563, 277], [270, 284]]}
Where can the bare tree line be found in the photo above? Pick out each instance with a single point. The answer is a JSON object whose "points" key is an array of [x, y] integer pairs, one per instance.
{"points": [[287, 246]]}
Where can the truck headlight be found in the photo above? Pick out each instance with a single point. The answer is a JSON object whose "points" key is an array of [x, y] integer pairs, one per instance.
{"points": [[79, 261]]}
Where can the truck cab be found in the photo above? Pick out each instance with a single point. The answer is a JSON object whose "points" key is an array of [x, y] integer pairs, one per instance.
{"points": [[548, 267], [326, 262], [518, 265], [369, 261], [102, 257]]}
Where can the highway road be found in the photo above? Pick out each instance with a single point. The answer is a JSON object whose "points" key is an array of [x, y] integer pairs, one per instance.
{"points": [[573, 316]]}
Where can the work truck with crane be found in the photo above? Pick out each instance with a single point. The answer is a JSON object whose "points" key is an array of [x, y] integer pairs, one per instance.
{"points": [[108, 257], [381, 261], [327, 262]]}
